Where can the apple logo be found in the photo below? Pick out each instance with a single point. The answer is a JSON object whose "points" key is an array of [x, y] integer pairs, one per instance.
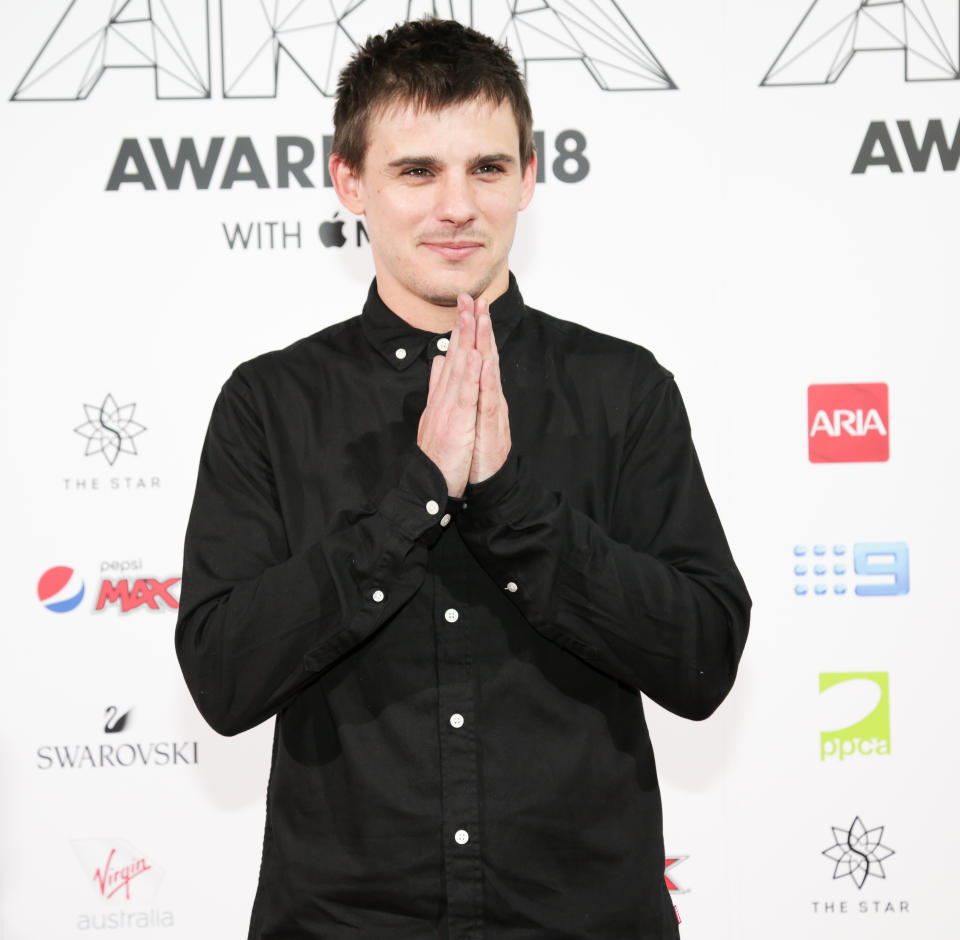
{"points": [[331, 233]]}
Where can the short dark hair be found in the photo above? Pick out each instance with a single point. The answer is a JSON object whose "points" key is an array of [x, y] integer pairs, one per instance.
{"points": [[431, 64]]}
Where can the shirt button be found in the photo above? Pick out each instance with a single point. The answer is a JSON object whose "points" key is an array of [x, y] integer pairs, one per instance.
{"points": [[378, 596], [401, 353], [443, 344], [456, 720], [432, 507], [451, 615], [512, 587], [462, 836], [445, 521]]}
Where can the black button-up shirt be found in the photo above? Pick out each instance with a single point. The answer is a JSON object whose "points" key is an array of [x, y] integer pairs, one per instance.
{"points": [[460, 746]]}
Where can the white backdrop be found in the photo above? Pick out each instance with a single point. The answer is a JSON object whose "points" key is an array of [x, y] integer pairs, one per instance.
{"points": [[718, 222]]}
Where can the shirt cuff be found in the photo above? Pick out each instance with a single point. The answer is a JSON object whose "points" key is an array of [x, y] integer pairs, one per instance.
{"points": [[493, 496], [419, 505]]}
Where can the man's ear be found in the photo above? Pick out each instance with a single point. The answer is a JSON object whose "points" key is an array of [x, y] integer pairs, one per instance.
{"points": [[346, 182], [528, 182]]}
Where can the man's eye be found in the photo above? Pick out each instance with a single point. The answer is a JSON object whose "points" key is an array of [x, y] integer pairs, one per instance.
{"points": [[419, 172], [490, 168]]}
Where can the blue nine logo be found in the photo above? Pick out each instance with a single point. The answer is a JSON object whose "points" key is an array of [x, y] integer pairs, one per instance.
{"points": [[870, 569]]}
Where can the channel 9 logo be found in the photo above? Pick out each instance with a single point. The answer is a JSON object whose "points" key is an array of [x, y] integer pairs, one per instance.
{"points": [[869, 569]]}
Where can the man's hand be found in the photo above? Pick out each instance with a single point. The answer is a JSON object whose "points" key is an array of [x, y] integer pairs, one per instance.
{"points": [[492, 443], [448, 425]]}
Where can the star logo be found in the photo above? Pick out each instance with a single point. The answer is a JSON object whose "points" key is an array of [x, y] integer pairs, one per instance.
{"points": [[110, 429], [858, 852]]}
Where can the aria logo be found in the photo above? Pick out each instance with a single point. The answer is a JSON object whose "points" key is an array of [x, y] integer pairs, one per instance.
{"points": [[848, 423], [883, 569], [110, 429], [832, 32], [856, 707], [858, 853], [60, 589], [259, 45]]}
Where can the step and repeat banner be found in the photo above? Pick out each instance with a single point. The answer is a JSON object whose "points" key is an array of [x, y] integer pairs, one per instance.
{"points": [[763, 194]]}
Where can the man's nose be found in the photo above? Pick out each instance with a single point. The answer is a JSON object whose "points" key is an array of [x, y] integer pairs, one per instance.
{"points": [[455, 199]]}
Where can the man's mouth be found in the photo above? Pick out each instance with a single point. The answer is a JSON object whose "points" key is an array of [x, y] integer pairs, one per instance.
{"points": [[453, 249]]}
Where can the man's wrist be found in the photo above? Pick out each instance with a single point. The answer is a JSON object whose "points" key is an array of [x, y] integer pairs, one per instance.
{"points": [[486, 494]]}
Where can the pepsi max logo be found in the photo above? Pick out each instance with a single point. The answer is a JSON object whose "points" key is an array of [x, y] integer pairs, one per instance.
{"points": [[60, 589]]}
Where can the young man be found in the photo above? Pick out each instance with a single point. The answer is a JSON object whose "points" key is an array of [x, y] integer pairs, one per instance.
{"points": [[451, 607]]}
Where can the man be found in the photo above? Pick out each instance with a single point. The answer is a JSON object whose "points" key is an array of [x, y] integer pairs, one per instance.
{"points": [[451, 606]]}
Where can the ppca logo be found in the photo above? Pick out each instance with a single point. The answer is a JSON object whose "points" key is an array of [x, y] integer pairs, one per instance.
{"points": [[855, 707], [848, 423]]}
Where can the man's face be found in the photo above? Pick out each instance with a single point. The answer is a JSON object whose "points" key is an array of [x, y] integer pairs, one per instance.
{"points": [[440, 191]]}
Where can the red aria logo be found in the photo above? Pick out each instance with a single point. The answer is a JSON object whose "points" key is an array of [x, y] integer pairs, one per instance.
{"points": [[848, 423], [110, 879]]}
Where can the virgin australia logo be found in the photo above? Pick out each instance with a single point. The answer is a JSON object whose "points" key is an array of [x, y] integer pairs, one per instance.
{"points": [[118, 871]]}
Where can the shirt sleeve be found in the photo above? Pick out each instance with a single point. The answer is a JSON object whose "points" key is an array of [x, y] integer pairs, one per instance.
{"points": [[654, 599], [258, 621]]}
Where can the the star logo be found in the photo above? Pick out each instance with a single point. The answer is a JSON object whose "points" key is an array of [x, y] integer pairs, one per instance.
{"points": [[110, 429], [858, 852]]}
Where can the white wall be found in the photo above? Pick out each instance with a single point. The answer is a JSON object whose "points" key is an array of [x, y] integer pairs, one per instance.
{"points": [[720, 224]]}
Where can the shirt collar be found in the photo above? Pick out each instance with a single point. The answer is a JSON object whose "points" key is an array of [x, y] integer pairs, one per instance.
{"points": [[401, 344]]}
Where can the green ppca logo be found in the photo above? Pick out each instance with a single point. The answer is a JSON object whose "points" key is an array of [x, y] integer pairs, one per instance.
{"points": [[864, 699]]}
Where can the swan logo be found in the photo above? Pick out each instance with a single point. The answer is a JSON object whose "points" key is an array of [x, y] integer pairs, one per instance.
{"points": [[855, 708], [115, 722], [60, 589]]}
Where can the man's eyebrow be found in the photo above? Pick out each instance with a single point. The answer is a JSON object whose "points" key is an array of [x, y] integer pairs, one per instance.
{"points": [[493, 158], [425, 160], [415, 161]]}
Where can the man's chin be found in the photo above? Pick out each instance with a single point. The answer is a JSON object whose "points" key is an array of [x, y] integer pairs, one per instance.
{"points": [[446, 295], [442, 300]]}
